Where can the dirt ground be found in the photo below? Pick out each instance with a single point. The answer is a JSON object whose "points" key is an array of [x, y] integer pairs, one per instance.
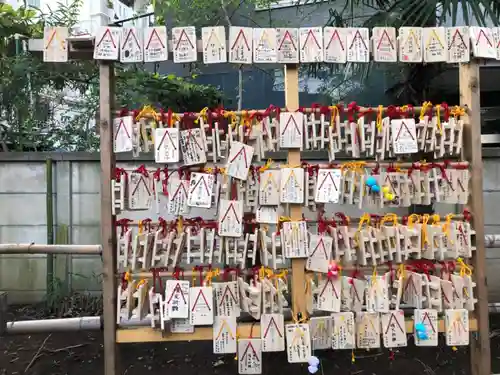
{"points": [[82, 354]]}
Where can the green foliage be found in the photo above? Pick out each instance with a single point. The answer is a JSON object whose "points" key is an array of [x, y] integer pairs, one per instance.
{"points": [[177, 93], [36, 112]]}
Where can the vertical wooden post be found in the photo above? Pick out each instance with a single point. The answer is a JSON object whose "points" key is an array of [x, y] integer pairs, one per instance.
{"points": [[299, 302], [108, 235], [469, 97]]}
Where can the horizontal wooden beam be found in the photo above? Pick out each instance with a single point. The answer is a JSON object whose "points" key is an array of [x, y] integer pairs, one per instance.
{"points": [[247, 330]]}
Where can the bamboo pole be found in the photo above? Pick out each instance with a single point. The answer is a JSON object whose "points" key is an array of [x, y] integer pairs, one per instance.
{"points": [[254, 112], [16, 248], [470, 97], [342, 163]]}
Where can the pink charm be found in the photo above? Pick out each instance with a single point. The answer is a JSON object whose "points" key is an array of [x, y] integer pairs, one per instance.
{"points": [[333, 270]]}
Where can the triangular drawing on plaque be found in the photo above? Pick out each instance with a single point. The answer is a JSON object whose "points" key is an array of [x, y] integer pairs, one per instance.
{"points": [[356, 36], [231, 207], [177, 288], [154, 33], [460, 325], [200, 293], [167, 133], [334, 290], [386, 35], [183, 187], [293, 178], [53, 37], [481, 32], [204, 183], [249, 345], [412, 34], [329, 174], [225, 325], [241, 34], [228, 293], [183, 33], [320, 242], [412, 283], [242, 152], [292, 118], [373, 328], [453, 39], [434, 36], [191, 136], [426, 316], [354, 293], [264, 37], [321, 329], [131, 32], [107, 32], [270, 180], [310, 33], [403, 124], [393, 317], [335, 33], [120, 126], [272, 321], [297, 336], [145, 186], [213, 35], [289, 37]]}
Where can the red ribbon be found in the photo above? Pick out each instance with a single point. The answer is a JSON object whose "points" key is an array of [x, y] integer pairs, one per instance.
{"points": [[163, 225], [142, 169], [119, 172], [227, 272], [352, 110], [178, 272], [343, 218], [123, 224]]}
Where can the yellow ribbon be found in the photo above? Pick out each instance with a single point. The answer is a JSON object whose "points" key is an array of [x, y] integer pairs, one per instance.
{"points": [[202, 114], [374, 277], [127, 276], [379, 118], [390, 217], [425, 235], [424, 108], [210, 275], [355, 166], [175, 117], [465, 270], [401, 271], [148, 110], [457, 111], [266, 166], [180, 225], [365, 219], [412, 219], [438, 115], [335, 113], [232, 115], [446, 228], [193, 276], [141, 282]]}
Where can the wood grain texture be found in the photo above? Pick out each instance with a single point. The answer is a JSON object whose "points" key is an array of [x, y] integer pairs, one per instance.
{"points": [[247, 330], [298, 265], [108, 233], [470, 97]]}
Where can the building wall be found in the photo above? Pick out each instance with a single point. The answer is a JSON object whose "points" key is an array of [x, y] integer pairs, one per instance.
{"points": [[76, 203]]}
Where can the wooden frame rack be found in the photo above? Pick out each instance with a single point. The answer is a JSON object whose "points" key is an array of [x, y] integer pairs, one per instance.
{"points": [[469, 97]]}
